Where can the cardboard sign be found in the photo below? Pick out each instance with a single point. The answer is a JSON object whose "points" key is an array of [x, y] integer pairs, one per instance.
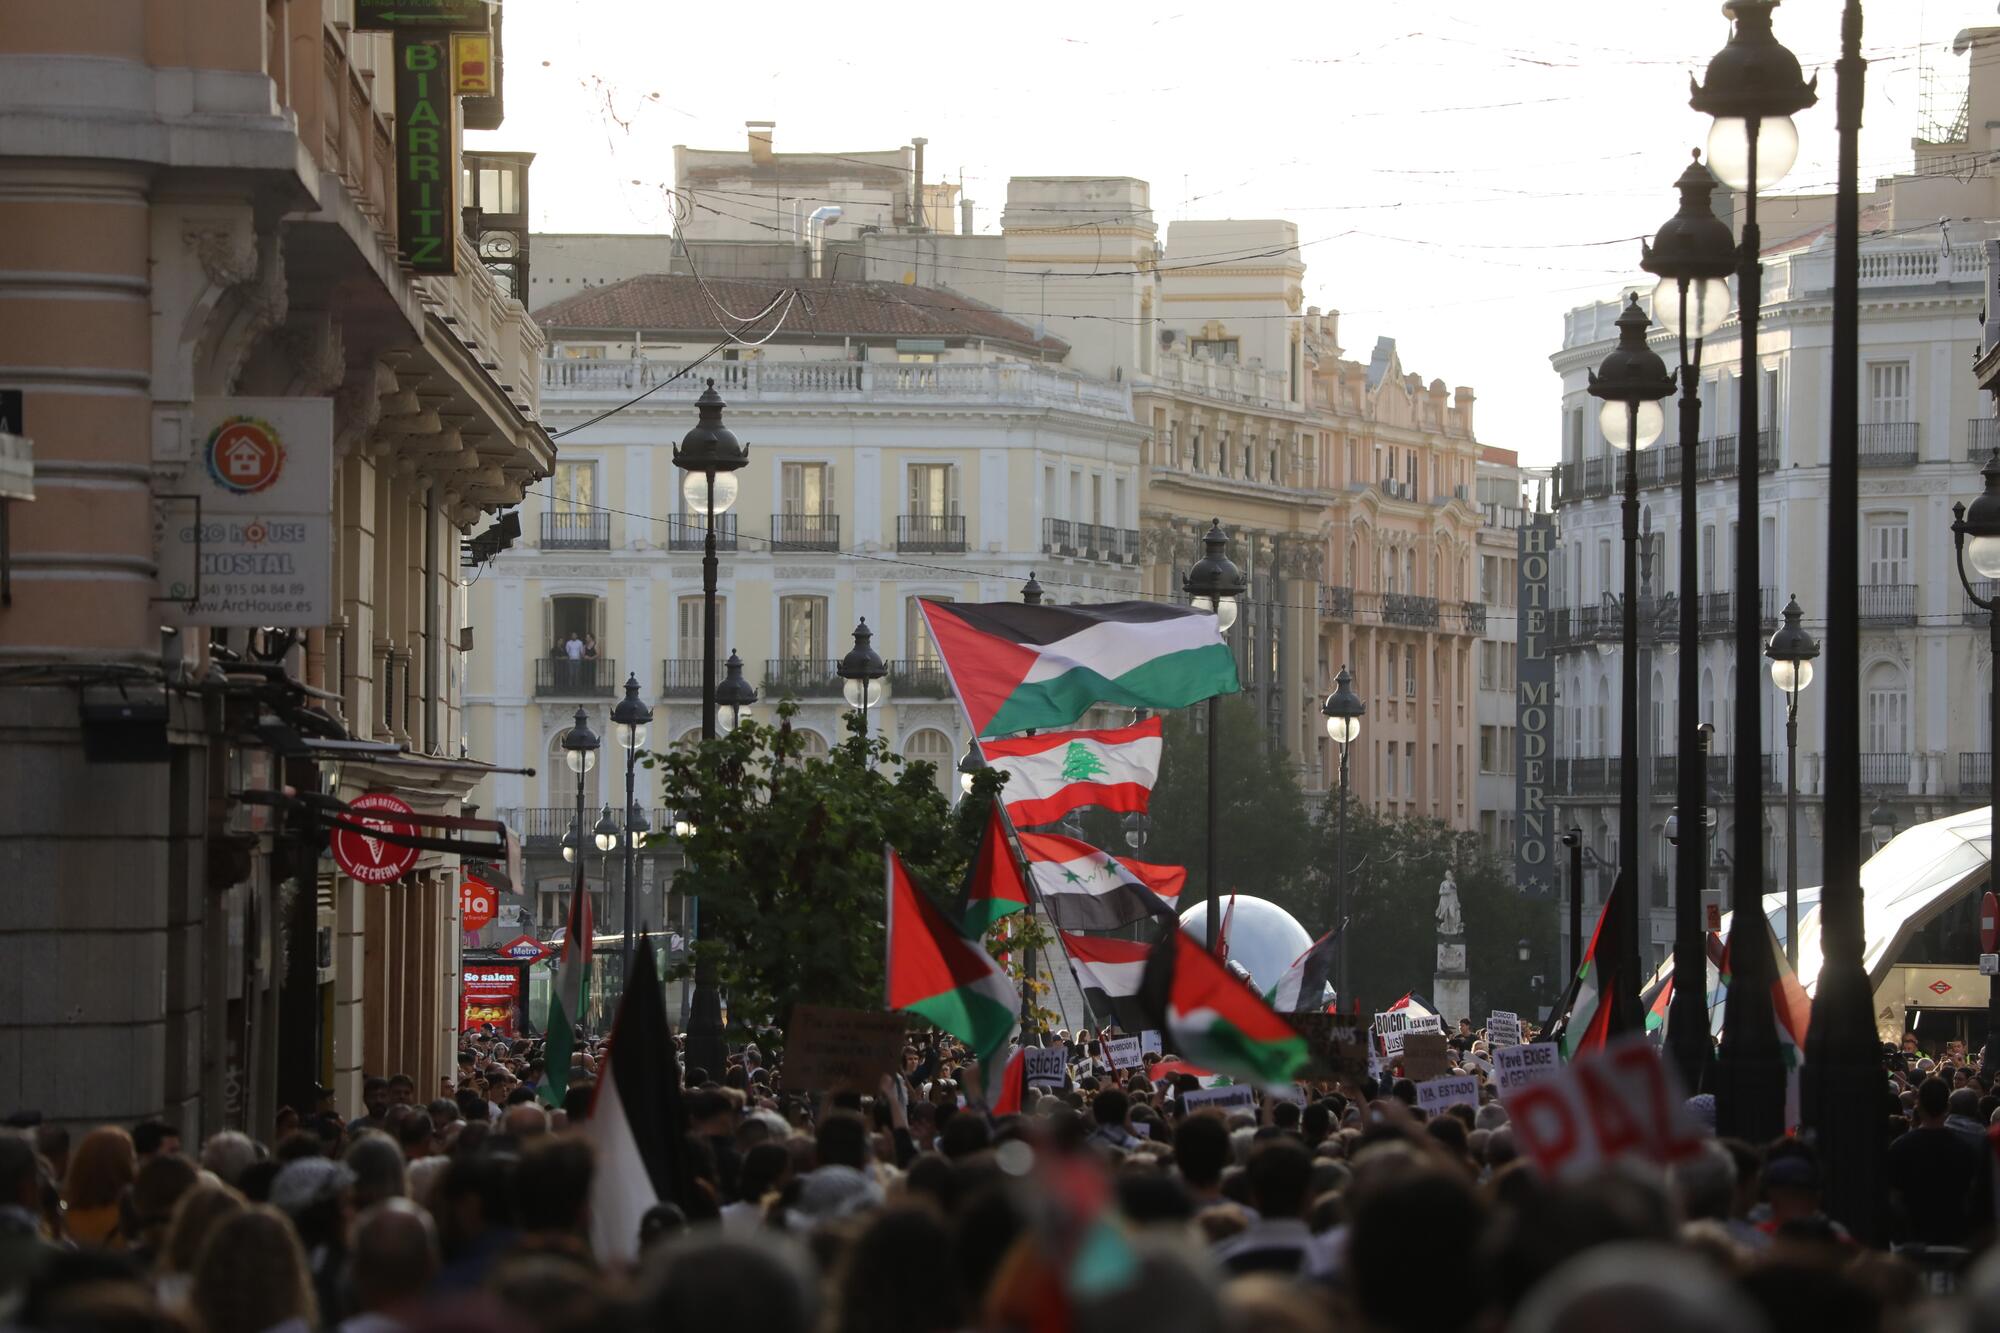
{"points": [[1434, 1095], [827, 1049], [1150, 1043], [1045, 1066], [1502, 1029], [1425, 1056], [1523, 1066], [1235, 1097], [1123, 1053], [1619, 1103], [1338, 1043]]}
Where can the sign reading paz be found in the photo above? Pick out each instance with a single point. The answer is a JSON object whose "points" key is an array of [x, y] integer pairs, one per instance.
{"points": [[826, 1049], [1619, 1103]]}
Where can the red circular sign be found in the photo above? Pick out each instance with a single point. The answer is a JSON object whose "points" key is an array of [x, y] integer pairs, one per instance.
{"points": [[477, 903], [245, 455], [369, 859]]}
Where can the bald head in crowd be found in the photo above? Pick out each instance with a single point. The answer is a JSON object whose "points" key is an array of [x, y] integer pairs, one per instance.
{"points": [[394, 1255], [526, 1121]]}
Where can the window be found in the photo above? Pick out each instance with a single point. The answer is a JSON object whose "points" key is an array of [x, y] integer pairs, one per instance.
{"points": [[576, 487], [917, 632], [1215, 349], [1409, 769], [1390, 789], [1888, 711], [934, 747], [1889, 391], [1048, 492], [804, 488], [811, 744], [687, 624], [1410, 670], [1489, 748], [1708, 558], [1097, 497], [802, 628], [1489, 657], [1599, 722], [933, 489], [1888, 549]]}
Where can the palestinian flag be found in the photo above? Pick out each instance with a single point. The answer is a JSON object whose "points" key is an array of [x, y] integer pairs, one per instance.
{"points": [[1659, 1005], [1059, 771], [1110, 972], [637, 1122], [1303, 987], [1082, 888], [1792, 1011], [1215, 1021], [1016, 667], [1004, 1097], [937, 972], [1587, 1021], [994, 889], [566, 997]]}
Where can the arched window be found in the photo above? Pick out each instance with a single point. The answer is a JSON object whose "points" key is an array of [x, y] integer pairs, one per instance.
{"points": [[934, 746], [562, 782], [1661, 741], [1709, 695], [812, 744], [1600, 719]]}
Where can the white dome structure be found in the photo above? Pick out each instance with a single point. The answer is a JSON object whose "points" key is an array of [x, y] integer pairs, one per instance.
{"points": [[1262, 936]]}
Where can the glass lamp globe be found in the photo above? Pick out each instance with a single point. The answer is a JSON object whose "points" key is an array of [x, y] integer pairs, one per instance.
{"points": [[729, 717], [1729, 150], [605, 841], [683, 828], [1614, 418], [1983, 554], [630, 735], [695, 491], [1790, 676], [1708, 304], [1224, 611], [871, 693], [580, 761], [965, 783], [1343, 729]]}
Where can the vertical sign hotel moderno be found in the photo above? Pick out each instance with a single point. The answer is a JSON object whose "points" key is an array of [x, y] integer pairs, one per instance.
{"points": [[1534, 711]]}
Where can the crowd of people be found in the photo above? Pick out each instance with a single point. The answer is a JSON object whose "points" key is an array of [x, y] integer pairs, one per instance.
{"points": [[1104, 1203]]}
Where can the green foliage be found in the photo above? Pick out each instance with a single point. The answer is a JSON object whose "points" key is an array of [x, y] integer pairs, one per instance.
{"points": [[787, 860]]}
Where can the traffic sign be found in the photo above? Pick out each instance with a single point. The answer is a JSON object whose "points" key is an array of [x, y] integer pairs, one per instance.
{"points": [[1989, 917], [477, 902], [369, 859]]}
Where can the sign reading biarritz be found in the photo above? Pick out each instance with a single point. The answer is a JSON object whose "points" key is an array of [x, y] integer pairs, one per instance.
{"points": [[426, 214], [1534, 711]]}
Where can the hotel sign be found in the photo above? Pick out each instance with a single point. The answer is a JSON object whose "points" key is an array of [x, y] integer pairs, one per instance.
{"points": [[1534, 711], [426, 185], [421, 15]]}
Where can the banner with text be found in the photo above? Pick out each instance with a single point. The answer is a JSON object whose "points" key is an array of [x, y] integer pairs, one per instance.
{"points": [[1534, 710]]}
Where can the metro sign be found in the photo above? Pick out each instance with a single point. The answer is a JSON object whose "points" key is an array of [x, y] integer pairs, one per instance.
{"points": [[372, 860], [1940, 985], [525, 948]]}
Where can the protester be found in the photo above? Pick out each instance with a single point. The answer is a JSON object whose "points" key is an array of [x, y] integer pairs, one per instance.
{"points": [[252, 1277], [100, 1171]]}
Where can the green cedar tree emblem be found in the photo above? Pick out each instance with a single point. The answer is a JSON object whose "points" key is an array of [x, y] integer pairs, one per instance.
{"points": [[1080, 765]]}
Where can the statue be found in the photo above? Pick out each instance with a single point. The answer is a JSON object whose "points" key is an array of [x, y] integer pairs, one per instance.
{"points": [[1448, 921]]}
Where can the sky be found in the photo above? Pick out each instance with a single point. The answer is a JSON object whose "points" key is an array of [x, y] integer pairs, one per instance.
{"points": [[1461, 173]]}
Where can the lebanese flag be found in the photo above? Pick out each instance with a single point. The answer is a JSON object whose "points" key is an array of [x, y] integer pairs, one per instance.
{"points": [[1110, 971], [1214, 1020], [937, 972], [1082, 888], [1017, 667], [637, 1122], [994, 890], [1059, 771]]}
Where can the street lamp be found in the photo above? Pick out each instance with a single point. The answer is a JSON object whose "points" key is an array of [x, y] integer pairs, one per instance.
{"points": [[1791, 651], [637, 826], [606, 833], [1521, 949], [969, 765], [569, 842], [1692, 254], [1975, 533], [629, 720], [1632, 381], [1753, 87], [733, 696], [1572, 838], [709, 456], [1138, 828], [1213, 585], [865, 674], [579, 746], [1343, 709]]}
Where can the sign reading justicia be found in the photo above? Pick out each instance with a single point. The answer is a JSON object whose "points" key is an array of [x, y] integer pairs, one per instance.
{"points": [[1534, 710]]}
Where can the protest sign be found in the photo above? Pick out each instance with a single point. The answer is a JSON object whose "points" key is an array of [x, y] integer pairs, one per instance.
{"points": [[1044, 1066], [1290, 1093], [1425, 1056], [1436, 1094], [1521, 1066], [1235, 1097], [1150, 1043], [1502, 1029], [1616, 1104], [1338, 1043], [827, 1049], [1424, 1023], [1392, 1026], [1122, 1052]]}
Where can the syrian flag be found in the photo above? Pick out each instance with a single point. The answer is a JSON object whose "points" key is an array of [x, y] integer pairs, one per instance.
{"points": [[1110, 971], [937, 972], [1303, 987], [1059, 771], [994, 890], [1016, 667], [1215, 1021], [1082, 888], [1587, 1020], [566, 997], [637, 1122]]}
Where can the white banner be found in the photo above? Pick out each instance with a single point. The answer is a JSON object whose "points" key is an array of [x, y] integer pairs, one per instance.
{"points": [[1235, 1097], [1122, 1052], [1045, 1066], [1436, 1094], [1503, 1029], [1521, 1066]]}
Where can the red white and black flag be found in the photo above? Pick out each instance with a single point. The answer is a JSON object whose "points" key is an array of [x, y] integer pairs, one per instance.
{"points": [[637, 1121]]}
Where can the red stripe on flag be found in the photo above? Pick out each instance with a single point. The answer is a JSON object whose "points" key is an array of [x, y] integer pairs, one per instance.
{"points": [[985, 668]]}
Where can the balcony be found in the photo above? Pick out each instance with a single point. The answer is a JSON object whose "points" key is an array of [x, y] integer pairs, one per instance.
{"points": [[1090, 541], [691, 534], [541, 827], [917, 678], [1474, 616], [801, 677], [680, 677], [585, 678], [1589, 775], [1888, 603], [1887, 444], [930, 534], [576, 532], [1400, 608], [1982, 437], [1337, 602], [1715, 459], [1886, 772], [1058, 537], [1975, 773], [805, 532]]}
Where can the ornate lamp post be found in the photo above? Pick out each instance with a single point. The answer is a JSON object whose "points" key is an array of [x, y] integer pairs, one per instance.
{"points": [[1572, 838], [580, 745], [1791, 651], [1753, 87], [1632, 381], [969, 765], [1343, 709], [629, 720], [865, 674], [1975, 532], [733, 697], [1214, 585]]}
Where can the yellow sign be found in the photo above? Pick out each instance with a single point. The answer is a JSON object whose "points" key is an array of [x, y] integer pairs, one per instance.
{"points": [[471, 64]]}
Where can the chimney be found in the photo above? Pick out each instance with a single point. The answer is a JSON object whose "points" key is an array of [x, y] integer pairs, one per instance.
{"points": [[917, 194], [760, 141], [965, 217]]}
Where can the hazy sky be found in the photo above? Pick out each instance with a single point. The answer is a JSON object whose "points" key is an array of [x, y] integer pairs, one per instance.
{"points": [[1461, 173]]}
